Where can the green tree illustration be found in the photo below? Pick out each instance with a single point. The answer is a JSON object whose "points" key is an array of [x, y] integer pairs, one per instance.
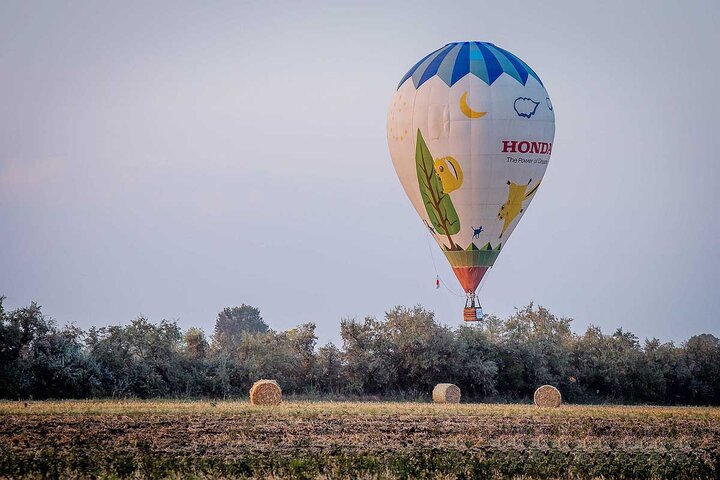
{"points": [[438, 204]]}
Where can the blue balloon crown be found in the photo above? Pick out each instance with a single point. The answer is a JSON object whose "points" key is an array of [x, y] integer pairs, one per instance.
{"points": [[455, 60]]}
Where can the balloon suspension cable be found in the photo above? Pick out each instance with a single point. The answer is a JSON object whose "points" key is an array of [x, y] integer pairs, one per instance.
{"points": [[482, 280], [472, 298], [437, 274]]}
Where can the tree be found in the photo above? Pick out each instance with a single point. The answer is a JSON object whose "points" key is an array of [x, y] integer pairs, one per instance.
{"points": [[671, 362], [233, 323], [60, 367], [265, 355], [221, 375], [329, 369], [477, 368], [422, 352], [702, 354], [19, 329], [195, 344], [140, 359], [652, 372], [367, 356], [301, 341], [195, 366], [535, 348]]}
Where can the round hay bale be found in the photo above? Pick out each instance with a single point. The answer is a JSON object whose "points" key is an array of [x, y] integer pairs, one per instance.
{"points": [[547, 396], [265, 392], [446, 393], [261, 381]]}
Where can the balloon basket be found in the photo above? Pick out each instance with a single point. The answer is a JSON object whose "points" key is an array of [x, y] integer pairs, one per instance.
{"points": [[470, 314], [472, 311]]}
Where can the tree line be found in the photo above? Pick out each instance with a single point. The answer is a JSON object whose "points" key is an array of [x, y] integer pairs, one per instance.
{"points": [[402, 355]]}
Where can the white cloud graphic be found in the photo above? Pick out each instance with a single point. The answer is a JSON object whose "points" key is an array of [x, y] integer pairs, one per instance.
{"points": [[525, 107]]}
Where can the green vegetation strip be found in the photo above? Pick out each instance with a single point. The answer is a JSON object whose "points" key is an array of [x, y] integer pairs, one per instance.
{"points": [[487, 462]]}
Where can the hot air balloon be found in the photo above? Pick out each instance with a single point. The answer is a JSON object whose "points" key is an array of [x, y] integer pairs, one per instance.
{"points": [[470, 132]]}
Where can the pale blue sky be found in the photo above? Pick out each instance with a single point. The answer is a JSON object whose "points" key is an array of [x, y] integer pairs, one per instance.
{"points": [[173, 158]]}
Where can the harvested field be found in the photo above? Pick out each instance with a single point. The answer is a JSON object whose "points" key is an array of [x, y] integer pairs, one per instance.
{"points": [[356, 440]]}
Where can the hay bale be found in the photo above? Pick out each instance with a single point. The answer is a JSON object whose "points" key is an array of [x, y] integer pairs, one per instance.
{"points": [[547, 396], [265, 392], [446, 393]]}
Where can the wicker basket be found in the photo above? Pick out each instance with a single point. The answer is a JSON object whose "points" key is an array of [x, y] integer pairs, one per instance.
{"points": [[470, 314]]}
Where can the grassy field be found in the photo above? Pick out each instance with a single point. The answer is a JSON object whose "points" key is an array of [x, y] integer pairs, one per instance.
{"points": [[355, 440]]}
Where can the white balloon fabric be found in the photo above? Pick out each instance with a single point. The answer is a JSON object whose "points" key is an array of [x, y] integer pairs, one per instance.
{"points": [[470, 132]]}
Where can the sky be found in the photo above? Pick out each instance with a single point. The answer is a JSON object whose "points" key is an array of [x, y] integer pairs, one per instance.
{"points": [[170, 159]]}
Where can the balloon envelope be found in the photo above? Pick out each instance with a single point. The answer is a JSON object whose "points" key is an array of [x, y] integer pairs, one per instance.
{"points": [[470, 132]]}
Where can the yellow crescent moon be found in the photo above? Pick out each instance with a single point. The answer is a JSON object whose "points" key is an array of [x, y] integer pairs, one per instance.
{"points": [[465, 108]]}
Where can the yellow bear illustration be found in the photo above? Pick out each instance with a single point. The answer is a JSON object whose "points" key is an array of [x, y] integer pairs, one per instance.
{"points": [[513, 207], [450, 173]]}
